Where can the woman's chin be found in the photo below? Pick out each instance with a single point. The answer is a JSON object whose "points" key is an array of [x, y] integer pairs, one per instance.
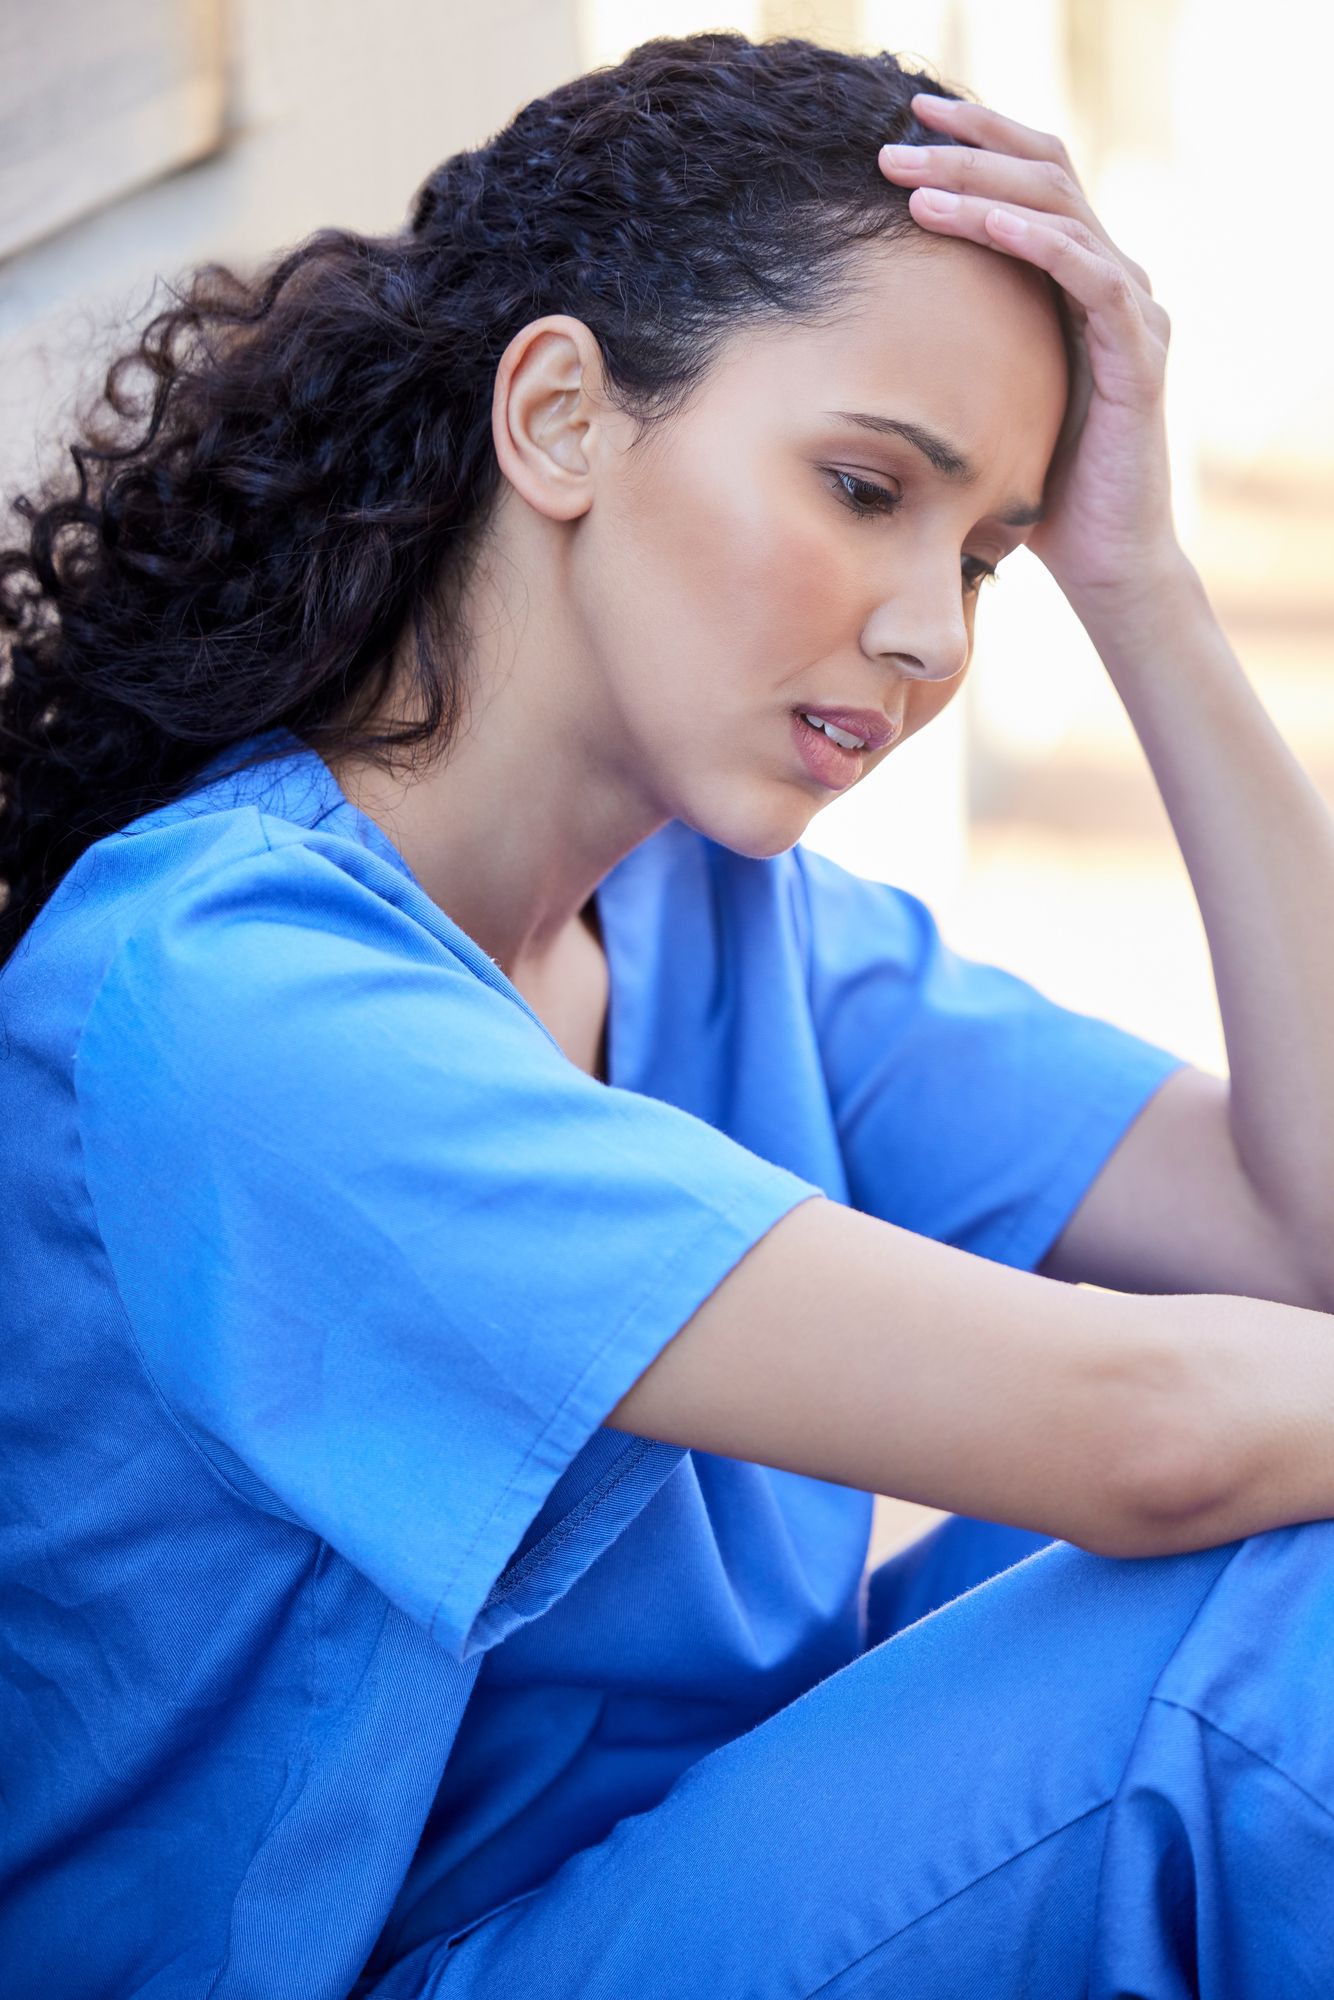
{"points": [[759, 831]]}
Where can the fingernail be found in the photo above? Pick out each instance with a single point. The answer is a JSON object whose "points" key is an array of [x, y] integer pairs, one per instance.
{"points": [[1009, 225], [907, 156], [939, 200]]}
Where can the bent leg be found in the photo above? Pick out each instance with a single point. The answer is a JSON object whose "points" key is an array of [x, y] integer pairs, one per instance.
{"points": [[1218, 1871], [930, 1824]]}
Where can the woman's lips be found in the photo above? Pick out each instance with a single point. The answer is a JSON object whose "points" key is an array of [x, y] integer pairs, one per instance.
{"points": [[830, 763], [870, 724]]}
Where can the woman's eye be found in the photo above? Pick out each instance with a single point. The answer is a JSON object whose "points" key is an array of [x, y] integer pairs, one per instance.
{"points": [[976, 572], [864, 497]]}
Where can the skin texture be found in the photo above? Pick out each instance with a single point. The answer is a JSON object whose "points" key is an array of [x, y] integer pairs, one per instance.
{"points": [[653, 613]]}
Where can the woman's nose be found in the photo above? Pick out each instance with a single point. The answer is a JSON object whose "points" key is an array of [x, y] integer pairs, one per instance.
{"points": [[922, 641]]}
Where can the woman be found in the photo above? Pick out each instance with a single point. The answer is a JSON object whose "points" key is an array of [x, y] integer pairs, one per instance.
{"points": [[411, 718]]}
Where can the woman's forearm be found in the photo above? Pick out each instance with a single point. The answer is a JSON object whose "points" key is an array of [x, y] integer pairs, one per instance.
{"points": [[855, 1352], [1259, 844]]}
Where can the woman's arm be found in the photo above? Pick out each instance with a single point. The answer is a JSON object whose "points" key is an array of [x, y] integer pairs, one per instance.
{"points": [[847, 1349], [1227, 1187], [852, 1351], [1218, 1189]]}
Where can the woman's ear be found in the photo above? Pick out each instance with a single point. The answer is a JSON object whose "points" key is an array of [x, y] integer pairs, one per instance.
{"points": [[549, 415]]}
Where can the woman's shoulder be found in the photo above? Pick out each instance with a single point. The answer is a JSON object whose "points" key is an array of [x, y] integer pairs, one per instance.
{"points": [[257, 847]]}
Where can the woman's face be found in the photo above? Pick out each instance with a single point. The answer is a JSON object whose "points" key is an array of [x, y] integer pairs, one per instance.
{"points": [[799, 551]]}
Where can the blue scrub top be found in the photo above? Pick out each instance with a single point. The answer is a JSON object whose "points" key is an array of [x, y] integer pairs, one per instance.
{"points": [[329, 1612]]}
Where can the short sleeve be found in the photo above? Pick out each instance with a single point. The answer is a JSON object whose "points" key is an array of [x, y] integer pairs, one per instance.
{"points": [[968, 1107], [388, 1256]]}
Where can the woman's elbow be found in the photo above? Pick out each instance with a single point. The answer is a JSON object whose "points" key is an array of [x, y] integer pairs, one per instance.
{"points": [[1182, 1472], [1169, 1508]]}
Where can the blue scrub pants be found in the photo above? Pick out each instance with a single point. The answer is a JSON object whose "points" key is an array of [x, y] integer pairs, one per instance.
{"points": [[1084, 1777]]}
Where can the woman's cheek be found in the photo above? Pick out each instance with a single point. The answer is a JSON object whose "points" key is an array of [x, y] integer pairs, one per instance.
{"points": [[733, 584], [794, 591]]}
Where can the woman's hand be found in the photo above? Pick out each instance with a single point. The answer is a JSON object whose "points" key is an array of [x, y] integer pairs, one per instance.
{"points": [[1109, 522]]}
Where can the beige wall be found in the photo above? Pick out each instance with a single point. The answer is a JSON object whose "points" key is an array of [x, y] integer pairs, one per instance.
{"points": [[337, 109], [95, 101]]}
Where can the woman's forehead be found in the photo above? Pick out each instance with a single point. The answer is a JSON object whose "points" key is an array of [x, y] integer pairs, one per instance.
{"points": [[931, 304], [956, 340]]}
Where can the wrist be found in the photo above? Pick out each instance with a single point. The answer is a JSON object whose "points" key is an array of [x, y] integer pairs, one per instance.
{"points": [[1153, 601]]}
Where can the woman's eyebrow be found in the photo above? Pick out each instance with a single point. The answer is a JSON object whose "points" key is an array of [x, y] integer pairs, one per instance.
{"points": [[938, 452], [946, 458]]}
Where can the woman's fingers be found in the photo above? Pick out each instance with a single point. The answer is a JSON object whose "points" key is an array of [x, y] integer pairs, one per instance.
{"points": [[1128, 330], [996, 156], [1039, 240], [1038, 184], [975, 125]]}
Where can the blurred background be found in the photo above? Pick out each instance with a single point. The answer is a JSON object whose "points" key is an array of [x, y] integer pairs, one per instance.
{"points": [[138, 137]]}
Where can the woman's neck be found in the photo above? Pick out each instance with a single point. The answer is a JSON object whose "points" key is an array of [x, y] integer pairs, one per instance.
{"points": [[533, 802]]}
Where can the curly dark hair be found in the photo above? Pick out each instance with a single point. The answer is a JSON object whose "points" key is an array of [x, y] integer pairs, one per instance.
{"points": [[285, 475]]}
